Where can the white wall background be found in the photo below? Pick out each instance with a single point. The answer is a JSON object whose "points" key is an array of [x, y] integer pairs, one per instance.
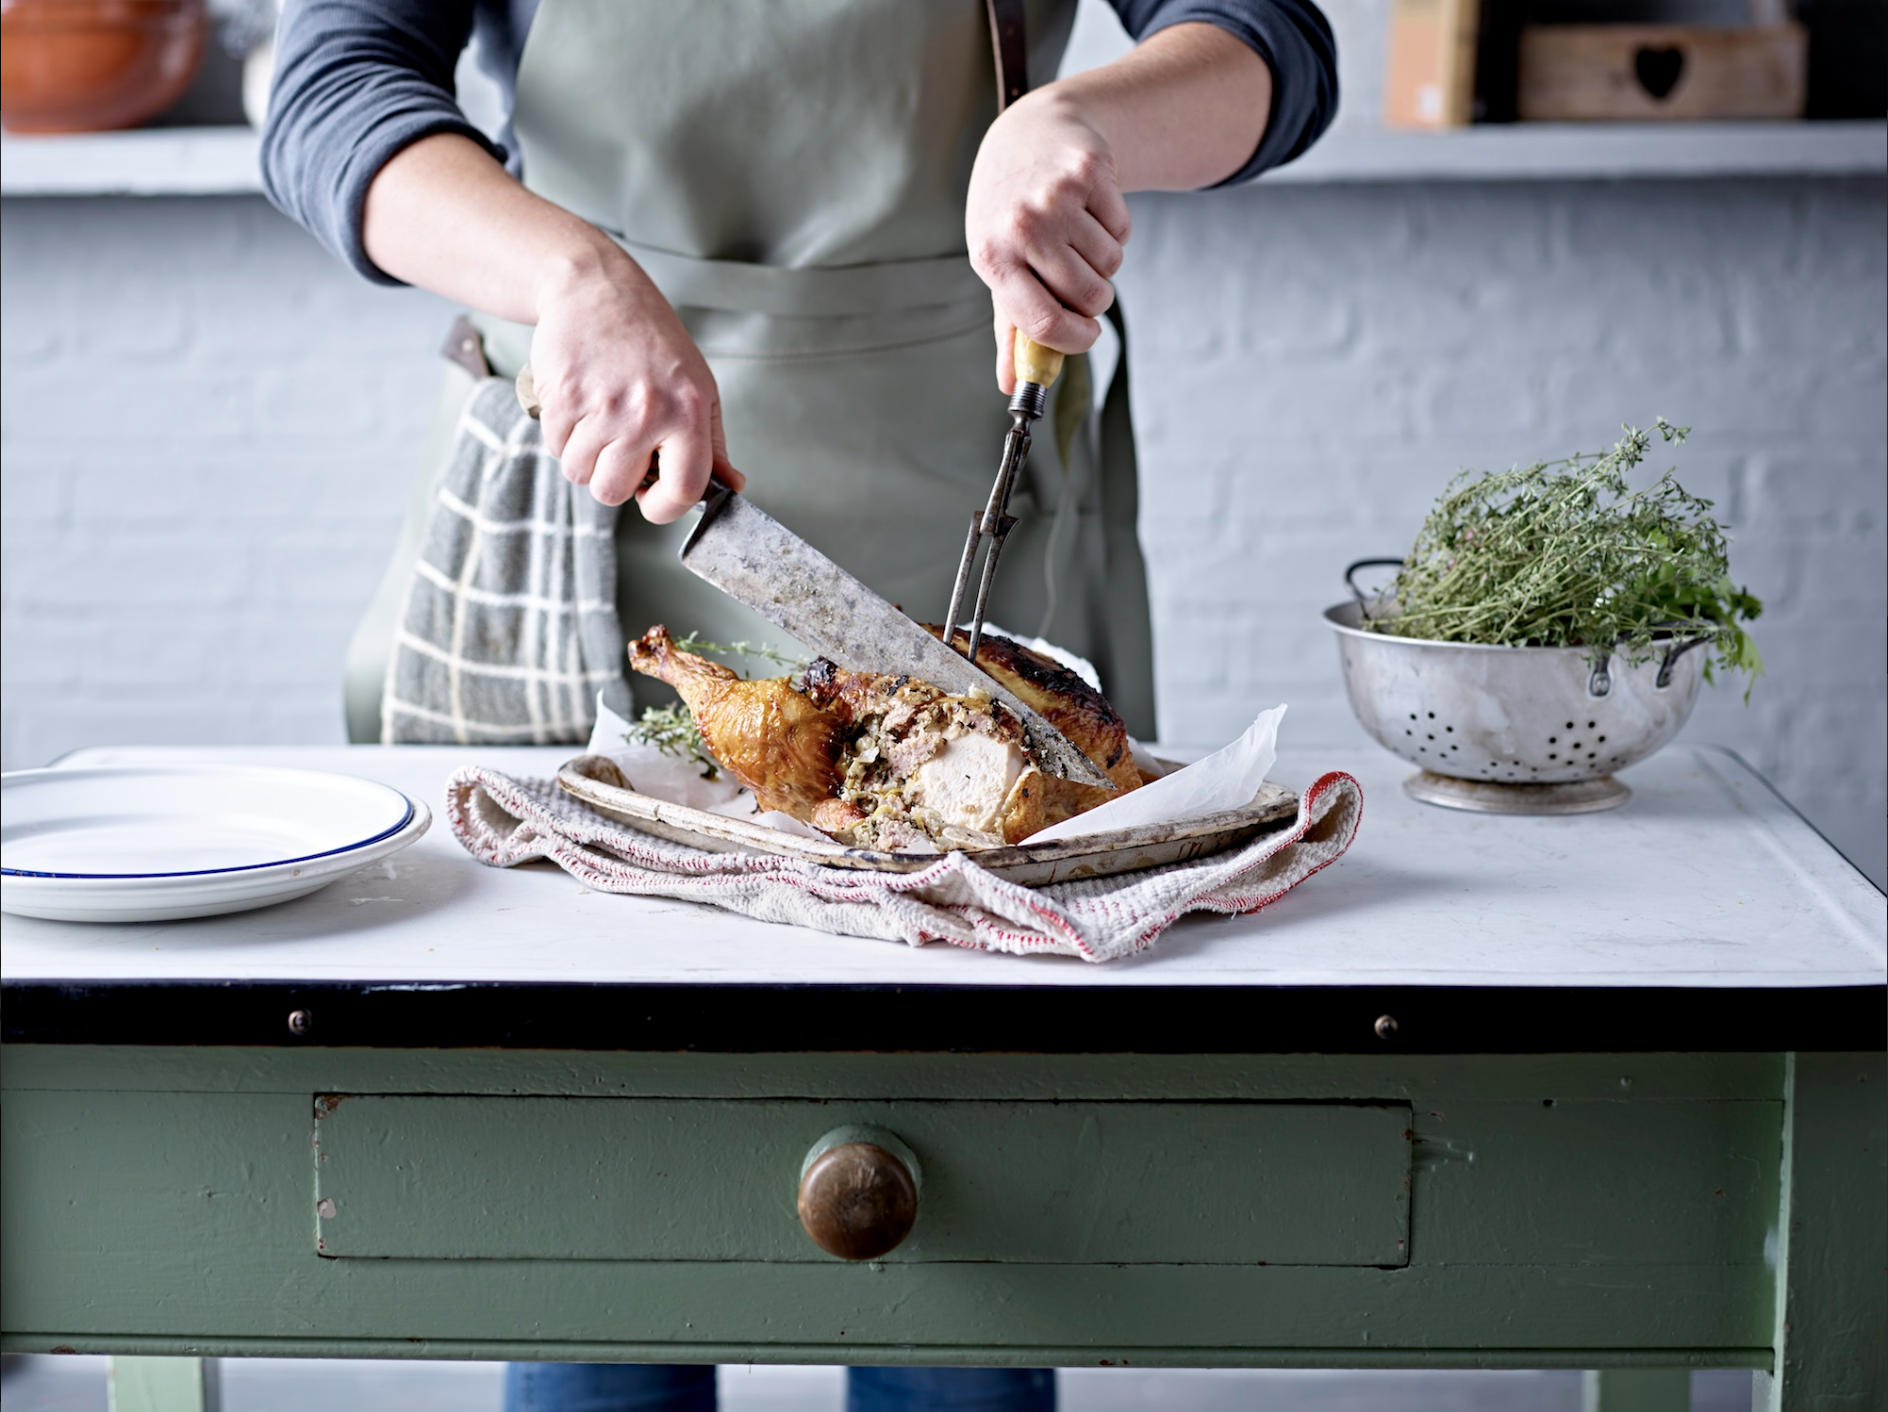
{"points": [[207, 428], [1312, 363]]}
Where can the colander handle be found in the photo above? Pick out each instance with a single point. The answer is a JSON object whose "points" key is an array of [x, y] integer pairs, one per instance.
{"points": [[1357, 592], [1670, 661]]}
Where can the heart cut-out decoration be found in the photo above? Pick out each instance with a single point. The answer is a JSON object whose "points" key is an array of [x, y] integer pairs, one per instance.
{"points": [[1659, 70]]}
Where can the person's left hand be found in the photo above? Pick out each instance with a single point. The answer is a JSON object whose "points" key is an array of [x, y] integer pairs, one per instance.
{"points": [[1046, 222]]}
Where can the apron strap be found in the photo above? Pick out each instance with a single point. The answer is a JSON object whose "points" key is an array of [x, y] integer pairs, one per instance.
{"points": [[1009, 38]]}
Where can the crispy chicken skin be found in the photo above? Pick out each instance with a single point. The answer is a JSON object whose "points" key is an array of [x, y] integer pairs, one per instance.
{"points": [[1073, 707], [769, 736]]}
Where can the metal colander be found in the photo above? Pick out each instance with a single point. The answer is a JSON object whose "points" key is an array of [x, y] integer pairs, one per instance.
{"points": [[1510, 715]]}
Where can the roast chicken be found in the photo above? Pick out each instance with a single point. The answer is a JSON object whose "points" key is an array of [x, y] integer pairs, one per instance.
{"points": [[878, 760]]}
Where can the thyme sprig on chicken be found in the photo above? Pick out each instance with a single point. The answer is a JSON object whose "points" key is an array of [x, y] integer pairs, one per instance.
{"points": [[1566, 554], [672, 729], [695, 642]]}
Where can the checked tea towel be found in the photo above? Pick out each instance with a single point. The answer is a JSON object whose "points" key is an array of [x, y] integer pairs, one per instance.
{"points": [[504, 821], [509, 628]]}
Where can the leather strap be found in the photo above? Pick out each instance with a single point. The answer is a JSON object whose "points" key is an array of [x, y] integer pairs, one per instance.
{"points": [[1009, 38], [464, 347]]}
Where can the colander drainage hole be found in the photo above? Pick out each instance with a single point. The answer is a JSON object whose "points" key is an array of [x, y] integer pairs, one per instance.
{"points": [[1593, 725], [1432, 715], [1569, 725], [1553, 739]]}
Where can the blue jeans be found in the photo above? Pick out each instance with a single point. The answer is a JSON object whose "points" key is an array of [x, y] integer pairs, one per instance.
{"points": [[662, 1387]]}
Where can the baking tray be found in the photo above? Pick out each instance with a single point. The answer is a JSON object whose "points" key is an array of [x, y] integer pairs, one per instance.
{"points": [[596, 781]]}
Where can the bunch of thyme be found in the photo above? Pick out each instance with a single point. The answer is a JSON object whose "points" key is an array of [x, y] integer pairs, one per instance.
{"points": [[672, 730], [1567, 554]]}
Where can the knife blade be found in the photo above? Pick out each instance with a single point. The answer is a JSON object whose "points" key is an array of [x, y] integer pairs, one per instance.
{"points": [[752, 557]]}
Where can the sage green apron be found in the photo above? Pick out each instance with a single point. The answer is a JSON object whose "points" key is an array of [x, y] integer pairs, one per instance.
{"points": [[791, 174]]}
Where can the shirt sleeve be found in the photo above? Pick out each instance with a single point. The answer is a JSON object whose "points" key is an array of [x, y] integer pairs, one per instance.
{"points": [[356, 81], [1293, 38]]}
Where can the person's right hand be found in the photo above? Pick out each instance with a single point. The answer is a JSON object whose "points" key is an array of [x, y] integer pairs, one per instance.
{"points": [[620, 384]]}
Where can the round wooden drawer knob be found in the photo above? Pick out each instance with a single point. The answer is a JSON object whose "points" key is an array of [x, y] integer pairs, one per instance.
{"points": [[858, 1193]]}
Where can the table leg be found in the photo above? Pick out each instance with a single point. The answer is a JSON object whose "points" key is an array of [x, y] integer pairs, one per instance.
{"points": [[165, 1385], [1832, 1239], [1637, 1390]]}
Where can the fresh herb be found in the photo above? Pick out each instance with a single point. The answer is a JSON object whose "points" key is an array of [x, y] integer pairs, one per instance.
{"points": [[672, 730], [695, 642], [1567, 554]]}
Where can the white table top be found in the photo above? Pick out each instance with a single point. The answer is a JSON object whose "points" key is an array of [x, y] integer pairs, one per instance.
{"points": [[1704, 879]]}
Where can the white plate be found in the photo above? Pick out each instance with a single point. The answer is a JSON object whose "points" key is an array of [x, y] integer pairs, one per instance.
{"points": [[154, 843]]}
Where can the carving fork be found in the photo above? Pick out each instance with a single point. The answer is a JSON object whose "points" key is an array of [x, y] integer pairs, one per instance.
{"points": [[1036, 371]]}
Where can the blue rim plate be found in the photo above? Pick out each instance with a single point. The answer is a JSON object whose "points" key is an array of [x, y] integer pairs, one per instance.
{"points": [[131, 823]]}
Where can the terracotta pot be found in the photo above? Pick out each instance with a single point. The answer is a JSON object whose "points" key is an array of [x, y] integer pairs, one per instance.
{"points": [[89, 65]]}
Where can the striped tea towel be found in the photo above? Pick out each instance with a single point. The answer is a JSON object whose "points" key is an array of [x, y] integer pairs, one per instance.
{"points": [[503, 821], [509, 628]]}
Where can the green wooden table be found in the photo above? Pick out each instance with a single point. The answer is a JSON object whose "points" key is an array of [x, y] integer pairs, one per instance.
{"points": [[1629, 1117]]}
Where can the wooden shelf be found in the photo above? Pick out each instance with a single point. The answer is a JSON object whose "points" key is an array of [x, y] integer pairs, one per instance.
{"points": [[221, 161], [174, 161], [1596, 151]]}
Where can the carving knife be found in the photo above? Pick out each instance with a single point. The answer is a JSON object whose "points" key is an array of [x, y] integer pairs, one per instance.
{"points": [[756, 560], [752, 557]]}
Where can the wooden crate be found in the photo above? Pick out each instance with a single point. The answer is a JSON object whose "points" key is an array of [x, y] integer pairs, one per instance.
{"points": [[1430, 78], [1638, 73]]}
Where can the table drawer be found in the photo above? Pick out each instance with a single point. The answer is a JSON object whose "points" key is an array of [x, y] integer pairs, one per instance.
{"points": [[1223, 1183]]}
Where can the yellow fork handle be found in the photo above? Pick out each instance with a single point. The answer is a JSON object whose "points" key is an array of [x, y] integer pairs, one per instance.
{"points": [[1035, 363]]}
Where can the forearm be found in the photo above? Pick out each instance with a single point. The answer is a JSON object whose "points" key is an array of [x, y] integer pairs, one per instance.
{"points": [[442, 214], [1184, 109], [621, 385]]}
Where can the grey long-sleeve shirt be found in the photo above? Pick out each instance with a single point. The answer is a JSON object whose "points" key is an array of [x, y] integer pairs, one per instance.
{"points": [[357, 80]]}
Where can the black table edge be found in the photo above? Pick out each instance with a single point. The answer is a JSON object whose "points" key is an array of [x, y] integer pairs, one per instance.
{"points": [[781, 1018]]}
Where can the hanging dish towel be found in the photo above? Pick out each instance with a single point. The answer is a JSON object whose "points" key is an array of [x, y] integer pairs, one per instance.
{"points": [[504, 821], [509, 628]]}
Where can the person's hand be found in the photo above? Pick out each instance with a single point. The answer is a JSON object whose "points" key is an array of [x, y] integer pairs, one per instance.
{"points": [[1046, 222], [621, 384]]}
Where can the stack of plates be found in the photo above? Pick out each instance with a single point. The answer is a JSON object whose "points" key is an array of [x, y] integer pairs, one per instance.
{"points": [[152, 843]]}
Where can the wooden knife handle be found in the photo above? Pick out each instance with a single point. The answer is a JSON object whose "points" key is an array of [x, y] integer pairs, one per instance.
{"points": [[528, 392], [1035, 363]]}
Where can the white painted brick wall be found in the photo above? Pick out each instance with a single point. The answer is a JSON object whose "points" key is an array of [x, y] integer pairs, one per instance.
{"points": [[208, 428], [1312, 363]]}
